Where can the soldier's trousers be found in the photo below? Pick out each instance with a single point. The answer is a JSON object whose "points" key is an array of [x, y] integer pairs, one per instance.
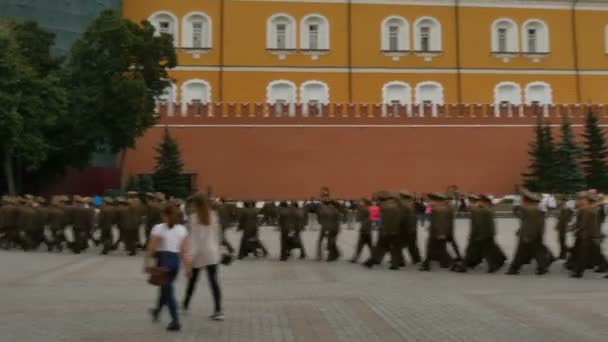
{"points": [[106, 239], [246, 246], [410, 242], [332, 246], [80, 239], [322, 236], [284, 245], [436, 250], [365, 239], [561, 239], [388, 244], [131, 237], [526, 251], [480, 250]]}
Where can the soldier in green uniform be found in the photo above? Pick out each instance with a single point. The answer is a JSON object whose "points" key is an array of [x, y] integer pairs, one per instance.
{"points": [[130, 218], [153, 212], [139, 211], [391, 218], [26, 222], [248, 224], [329, 219], [223, 212], [408, 231], [482, 244], [585, 232], [40, 224], [561, 227], [287, 224], [300, 222], [82, 223], [440, 231], [530, 236], [365, 230], [107, 220], [9, 212], [57, 221]]}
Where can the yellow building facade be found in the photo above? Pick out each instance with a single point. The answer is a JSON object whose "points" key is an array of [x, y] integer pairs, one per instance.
{"points": [[384, 51]]}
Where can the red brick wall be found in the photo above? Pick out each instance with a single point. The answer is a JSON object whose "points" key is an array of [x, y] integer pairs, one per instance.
{"points": [[294, 157]]}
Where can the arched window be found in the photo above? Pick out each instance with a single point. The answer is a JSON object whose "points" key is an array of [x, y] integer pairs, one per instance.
{"points": [[427, 35], [429, 93], [315, 32], [539, 93], [165, 23], [314, 93], [197, 31], [195, 92], [168, 98], [395, 34], [504, 36], [281, 92], [397, 92], [281, 32], [535, 37], [507, 93]]}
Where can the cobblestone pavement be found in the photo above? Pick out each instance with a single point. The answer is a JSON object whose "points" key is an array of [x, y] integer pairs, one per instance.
{"points": [[64, 297]]}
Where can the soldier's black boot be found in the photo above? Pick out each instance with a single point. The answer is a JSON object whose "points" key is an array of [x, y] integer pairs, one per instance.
{"points": [[512, 271], [576, 275], [425, 267]]}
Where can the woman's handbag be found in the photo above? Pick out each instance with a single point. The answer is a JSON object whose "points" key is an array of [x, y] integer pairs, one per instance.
{"points": [[158, 276]]}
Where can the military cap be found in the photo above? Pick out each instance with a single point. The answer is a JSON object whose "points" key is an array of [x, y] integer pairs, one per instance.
{"points": [[40, 199], [121, 199], [587, 195], [150, 195], [160, 196], [87, 200], [132, 194], [384, 195], [405, 194], [474, 197], [65, 198], [108, 200], [529, 195], [29, 197], [7, 200], [436, 196], [486, 198]]}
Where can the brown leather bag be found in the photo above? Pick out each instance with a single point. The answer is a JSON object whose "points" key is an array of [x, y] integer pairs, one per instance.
{"points": [[159, 276]]}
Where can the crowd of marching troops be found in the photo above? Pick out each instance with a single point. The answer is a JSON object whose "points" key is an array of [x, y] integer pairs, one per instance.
{"points": [[28, 222]]}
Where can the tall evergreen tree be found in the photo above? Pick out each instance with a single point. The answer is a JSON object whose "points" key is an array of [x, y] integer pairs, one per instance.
{"points": [[146, 184], [594, 154], [168, 176], [569, 176], [541, 174]]}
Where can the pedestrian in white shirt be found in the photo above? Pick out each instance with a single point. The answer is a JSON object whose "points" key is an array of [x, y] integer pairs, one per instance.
{"points": [[169, 245], [205, 240]]}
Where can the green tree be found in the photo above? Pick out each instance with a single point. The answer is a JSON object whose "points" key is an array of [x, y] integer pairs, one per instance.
{"points": [[146, 183], [595, 152], [168, 177], [32, 98], [132, 184], [116, 71], [569, 176], [541, 175]]}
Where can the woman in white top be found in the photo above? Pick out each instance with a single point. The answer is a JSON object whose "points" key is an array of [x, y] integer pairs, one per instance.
{"points": [[168, 244], [205, 240]]}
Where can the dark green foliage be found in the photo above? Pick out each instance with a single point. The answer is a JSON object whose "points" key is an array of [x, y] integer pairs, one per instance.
{"points": [[542, 169], [569, 176], [594, 154], [168, 177]]}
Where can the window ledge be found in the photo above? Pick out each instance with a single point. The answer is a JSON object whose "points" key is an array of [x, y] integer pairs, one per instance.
{"points": [[506, 56], [536, 56], [281, 53], [196, 52], [315, 53], [428, 55]]}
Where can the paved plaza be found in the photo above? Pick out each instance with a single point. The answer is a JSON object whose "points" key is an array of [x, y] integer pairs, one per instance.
{"points": [[64, 297]]}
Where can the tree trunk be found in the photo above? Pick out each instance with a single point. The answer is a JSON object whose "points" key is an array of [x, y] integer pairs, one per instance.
{"points": [[9, 172], [121, 167]]}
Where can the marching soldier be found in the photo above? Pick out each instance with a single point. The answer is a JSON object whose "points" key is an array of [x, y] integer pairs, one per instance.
{"points": [[482, 244], [365, 230], [585, 232], [57, 221], [9, 221], [40, 223], [301, 220], [287, 223], [440, 231], [82, 224], [563, 220], [408, 231], [139, 211], [530, 236], [248, 224], [389, 239], [223, 212], [26, 223], [329, 219], [154, 212], [107, 220], [129, 222]]}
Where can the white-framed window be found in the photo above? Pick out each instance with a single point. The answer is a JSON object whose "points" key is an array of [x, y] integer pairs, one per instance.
{"points": [[539, 93], [195, 92], [395, 34], [280, 92], [504, 36], [427, 35], [507, 93], [281, 32], [396, 92], [535, 37], [314, 29], [429, 92], [314, 93], [197, 31], [165, 23]]}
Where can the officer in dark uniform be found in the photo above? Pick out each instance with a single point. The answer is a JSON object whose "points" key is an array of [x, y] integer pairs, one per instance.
{"points": [[300, 222], [482, 244], [391, 218], [107, 220], [563, 221], [287, 224], [248, 224], [365, 229], [408, 230], [440, 231], [530, 236], [329, 219]]}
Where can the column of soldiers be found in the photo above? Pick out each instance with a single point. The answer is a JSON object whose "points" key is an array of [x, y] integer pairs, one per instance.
{"points": [[28, 222]]}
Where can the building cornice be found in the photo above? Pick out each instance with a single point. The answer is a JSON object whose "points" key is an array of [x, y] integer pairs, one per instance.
{"points": [[591, 5]]}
